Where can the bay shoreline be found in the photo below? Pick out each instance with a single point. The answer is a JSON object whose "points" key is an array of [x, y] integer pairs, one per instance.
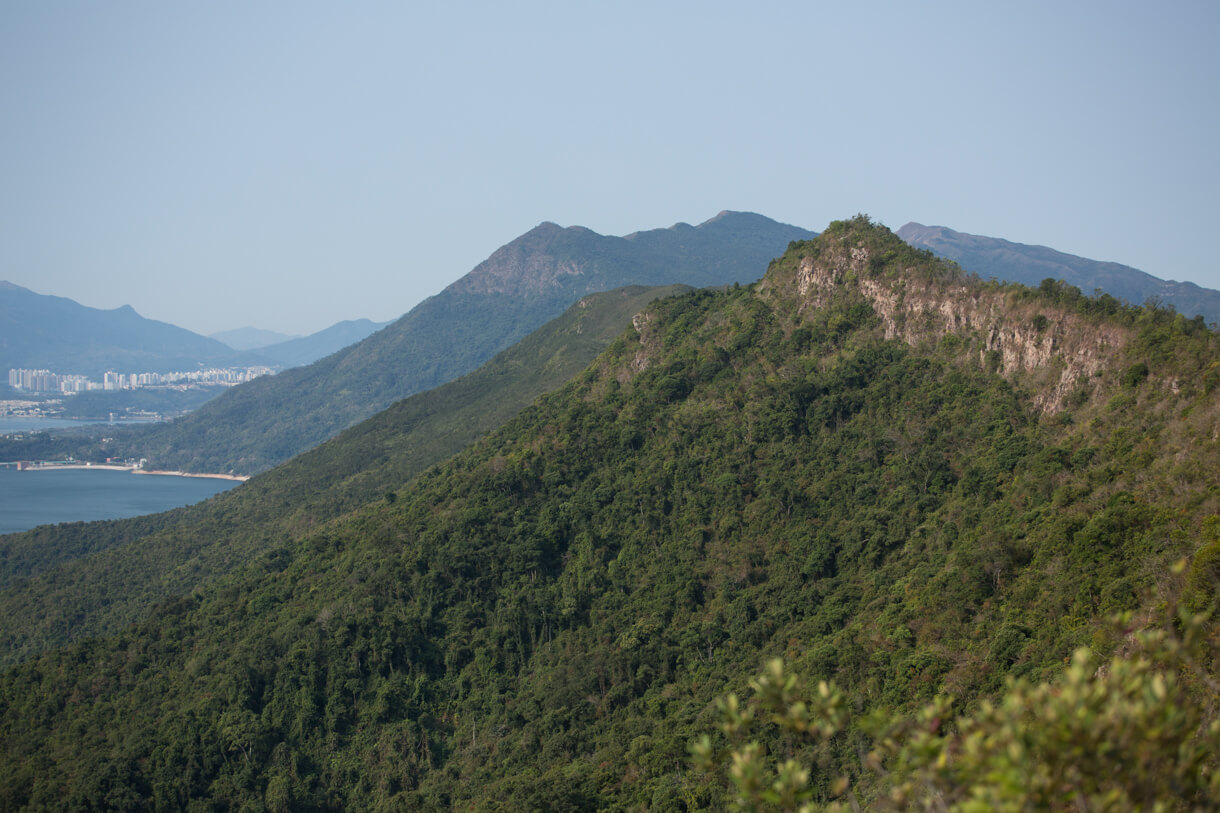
{"points": [[109, 467]]}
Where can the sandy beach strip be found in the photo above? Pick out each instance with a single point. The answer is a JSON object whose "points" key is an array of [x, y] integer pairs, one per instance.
{"points": [[70, 466], [238, 477], [111, 467]]}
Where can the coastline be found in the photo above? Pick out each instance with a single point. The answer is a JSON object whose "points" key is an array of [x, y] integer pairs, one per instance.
{"points": [[109, 467], [241, 478], [70, 466]]}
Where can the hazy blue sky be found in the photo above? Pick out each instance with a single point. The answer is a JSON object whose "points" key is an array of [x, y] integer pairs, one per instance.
{"points": [[291, 164]]}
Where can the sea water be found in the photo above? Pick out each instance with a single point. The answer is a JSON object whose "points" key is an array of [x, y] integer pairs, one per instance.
{"points": [[30, 498], [10, 424]]}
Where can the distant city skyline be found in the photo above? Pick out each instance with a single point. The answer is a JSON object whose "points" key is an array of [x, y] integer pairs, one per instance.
{"points": [[289, 166], [43, 381]]}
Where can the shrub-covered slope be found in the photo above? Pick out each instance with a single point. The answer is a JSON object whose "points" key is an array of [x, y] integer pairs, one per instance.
{"points": [[858, 464], [48, 597]]}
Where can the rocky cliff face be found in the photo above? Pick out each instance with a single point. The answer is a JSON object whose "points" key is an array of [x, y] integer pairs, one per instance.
{"points": [[644, 324], [1053, 349]]}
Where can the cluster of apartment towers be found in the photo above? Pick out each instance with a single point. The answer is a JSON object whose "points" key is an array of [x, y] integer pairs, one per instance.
{"points": [[47, 381]]}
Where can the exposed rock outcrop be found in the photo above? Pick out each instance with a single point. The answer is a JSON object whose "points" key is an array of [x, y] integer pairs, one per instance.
{"points": [[1054, 349], [649, 343]]}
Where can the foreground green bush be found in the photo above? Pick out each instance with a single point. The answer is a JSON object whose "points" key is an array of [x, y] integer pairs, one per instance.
{"points": [[1130, 734]]}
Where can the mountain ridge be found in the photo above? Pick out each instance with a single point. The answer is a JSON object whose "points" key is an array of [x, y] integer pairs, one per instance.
{"points": [[522, 285], [1030, 264], [1063, 352], [538, 260], [304, 350], [549, 619], [42, 331], [250, 338]]}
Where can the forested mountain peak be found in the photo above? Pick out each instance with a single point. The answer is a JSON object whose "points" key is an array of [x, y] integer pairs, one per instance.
{"points": [[530, 264], [1052, 339], [550, 258], [729, 218], [516, 290], [547, 620]]}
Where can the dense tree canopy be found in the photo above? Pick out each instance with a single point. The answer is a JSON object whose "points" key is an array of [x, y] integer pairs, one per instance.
{"points": [[547, 620]]}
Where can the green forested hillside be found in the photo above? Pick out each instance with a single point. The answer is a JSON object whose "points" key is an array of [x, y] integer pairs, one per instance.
{"points": [[516, 290], [893, 477], [50, 593]]}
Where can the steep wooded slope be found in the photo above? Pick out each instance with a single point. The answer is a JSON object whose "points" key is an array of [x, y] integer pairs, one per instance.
{"points": [[822, 467], [79, 580]]}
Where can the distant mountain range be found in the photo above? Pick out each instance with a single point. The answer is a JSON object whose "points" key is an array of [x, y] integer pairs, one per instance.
{"points": [[308, 349], [354, 369], [1029, 265], [294, 351], [55, 333], [251, 338], [38, 331], [517, 289]]}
